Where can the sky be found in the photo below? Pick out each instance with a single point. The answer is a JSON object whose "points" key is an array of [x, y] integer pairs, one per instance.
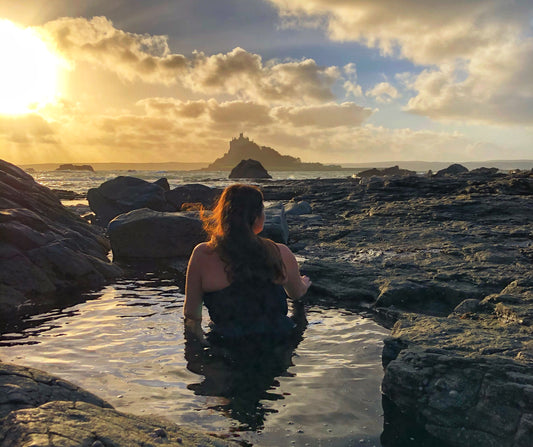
{"points": [[333, 81]]}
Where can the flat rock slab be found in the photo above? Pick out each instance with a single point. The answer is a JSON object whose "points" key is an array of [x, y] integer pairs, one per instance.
{"points": [[37, 409], [74, 424], [23, 387]]}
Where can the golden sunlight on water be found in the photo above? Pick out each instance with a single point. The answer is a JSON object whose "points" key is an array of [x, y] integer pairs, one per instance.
{"points": [[126, 345]]}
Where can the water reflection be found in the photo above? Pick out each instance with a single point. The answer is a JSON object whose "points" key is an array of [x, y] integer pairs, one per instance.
{"points": [[244, 373], [125, 344]]}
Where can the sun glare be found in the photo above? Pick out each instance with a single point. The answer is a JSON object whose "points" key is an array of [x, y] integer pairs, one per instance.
{"points": [[29, 73]]}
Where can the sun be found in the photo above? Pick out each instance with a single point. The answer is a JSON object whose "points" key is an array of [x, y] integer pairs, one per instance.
{"points": [[29, 72]]}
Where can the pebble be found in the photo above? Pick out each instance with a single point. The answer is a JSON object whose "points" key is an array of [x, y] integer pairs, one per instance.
{"points": [[160, 433]]}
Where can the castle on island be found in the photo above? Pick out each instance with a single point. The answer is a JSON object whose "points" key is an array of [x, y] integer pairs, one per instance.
{"points": [[242, 148]]}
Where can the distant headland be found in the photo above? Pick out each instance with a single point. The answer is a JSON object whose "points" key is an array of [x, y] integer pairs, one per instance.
{"points": [[243, 148]]}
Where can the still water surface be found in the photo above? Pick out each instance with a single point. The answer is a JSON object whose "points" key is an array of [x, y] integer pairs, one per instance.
{"points": [[126, 345]]}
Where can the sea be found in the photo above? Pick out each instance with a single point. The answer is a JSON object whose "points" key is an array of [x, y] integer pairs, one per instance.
{"points": [[81, 181]]}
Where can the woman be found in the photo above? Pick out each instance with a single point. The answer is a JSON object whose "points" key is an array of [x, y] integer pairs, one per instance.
{"points": [[242, 278]]}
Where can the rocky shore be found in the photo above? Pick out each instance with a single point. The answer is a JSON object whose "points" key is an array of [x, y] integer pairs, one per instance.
{"points": [[446, 262], [443, 259]]}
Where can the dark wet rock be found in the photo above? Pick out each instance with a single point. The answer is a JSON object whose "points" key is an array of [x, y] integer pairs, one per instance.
{"points": [[123, 194], [249, 169], [452, 170], [484, 171], [72, 167], [145, 233], [192, 193], [276, 226], [392, 171], [429, 297], [467, 306], [163, 182], [39, 409], [63, 194], [45, 250]]}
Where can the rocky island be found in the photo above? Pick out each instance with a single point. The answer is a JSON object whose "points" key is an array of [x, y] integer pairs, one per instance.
{"points": [[243, 148], [72, 167]]}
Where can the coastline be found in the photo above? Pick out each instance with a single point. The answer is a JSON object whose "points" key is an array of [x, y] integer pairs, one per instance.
{"points": [[446, 262]]}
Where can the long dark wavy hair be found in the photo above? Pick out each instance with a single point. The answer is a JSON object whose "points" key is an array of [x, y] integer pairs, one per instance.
{"points": [[248, 257]]}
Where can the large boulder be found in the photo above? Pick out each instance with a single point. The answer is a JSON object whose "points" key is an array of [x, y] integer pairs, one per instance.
{"points": [[145, 233], [192, 193], [45, 249], [249, 169], [452, 170], [123, 194]]}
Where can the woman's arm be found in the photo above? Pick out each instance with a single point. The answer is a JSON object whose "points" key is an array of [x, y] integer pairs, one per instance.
{"points": [[192, 308], [295, 284]]}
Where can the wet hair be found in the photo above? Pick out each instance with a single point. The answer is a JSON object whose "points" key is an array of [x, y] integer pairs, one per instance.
{"points": [[247, 257]]}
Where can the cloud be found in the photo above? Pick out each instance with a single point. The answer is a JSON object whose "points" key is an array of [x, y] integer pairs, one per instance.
{"points": [[428, 32], [242, 73], [498, 88], [383, 92], [131, 56], [350, 85], [247, 113], [478, 52], [171, 130], [147, 58], [324, 116]]}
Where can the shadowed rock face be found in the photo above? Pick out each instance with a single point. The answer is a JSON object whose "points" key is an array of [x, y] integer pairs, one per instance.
{"points": [[145, 233], [44, 248]]}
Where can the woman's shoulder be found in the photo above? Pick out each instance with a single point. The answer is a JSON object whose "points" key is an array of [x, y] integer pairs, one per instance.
{"points": [[284, 250], [203, 249]]}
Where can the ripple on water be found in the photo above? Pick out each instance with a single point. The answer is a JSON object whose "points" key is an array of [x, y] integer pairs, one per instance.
{"points": [[126, 344]]}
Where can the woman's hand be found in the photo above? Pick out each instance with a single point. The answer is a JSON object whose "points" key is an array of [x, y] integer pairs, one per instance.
{"points": [[306, 282]]}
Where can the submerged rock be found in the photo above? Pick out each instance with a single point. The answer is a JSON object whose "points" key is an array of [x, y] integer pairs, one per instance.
{"points": [[45, 250]]}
